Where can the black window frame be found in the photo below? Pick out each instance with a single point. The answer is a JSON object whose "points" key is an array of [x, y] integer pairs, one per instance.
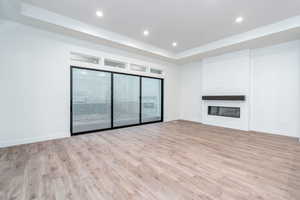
{"points": [[112, 98]]}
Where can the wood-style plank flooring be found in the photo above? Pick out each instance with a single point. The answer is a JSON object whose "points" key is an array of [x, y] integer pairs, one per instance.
{"points": [[166, 161]]}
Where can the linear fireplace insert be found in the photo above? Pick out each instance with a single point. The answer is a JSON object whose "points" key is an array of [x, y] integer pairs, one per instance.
{"points": [[234, 112]]}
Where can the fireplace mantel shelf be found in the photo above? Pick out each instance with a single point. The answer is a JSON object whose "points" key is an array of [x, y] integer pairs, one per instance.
{"points": [[225, 98]]}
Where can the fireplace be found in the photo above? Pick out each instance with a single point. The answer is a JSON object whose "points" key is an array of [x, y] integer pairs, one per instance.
{"points": [[226, 110], [233, 112]]}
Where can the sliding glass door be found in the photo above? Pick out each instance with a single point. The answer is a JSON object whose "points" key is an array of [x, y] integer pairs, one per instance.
{"points": [[91, 100], [151, 99], [126, 100], [103, 100]]}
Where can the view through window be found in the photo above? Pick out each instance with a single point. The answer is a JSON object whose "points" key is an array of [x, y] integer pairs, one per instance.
{"points": [[104, 100]]}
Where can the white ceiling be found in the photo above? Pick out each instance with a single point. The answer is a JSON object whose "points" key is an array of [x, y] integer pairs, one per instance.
{"points": [[192, 23]]}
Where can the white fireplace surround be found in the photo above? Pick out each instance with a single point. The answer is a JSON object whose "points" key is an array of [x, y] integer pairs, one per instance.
{"points": [[241, 123]]}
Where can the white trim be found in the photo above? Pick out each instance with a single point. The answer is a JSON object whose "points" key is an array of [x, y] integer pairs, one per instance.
{"points": [[126, 60], [44, 15], [8, 143], [291, 23], [35, 13]]}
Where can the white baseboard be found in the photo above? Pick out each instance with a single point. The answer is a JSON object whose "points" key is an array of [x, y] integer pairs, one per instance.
{"points": [[192, 120], [9, 143], [169, 120]]}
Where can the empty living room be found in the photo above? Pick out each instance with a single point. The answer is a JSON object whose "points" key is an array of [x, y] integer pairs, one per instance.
{"points": [[150, 100]]}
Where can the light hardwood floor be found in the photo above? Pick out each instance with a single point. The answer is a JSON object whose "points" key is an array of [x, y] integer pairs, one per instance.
{"points": [[166, 161]]}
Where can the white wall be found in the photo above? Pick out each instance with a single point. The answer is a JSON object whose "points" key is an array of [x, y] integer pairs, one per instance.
{"points": [[35, 82], [190, 92], [227, 74], [269, 77], [276, 89]]}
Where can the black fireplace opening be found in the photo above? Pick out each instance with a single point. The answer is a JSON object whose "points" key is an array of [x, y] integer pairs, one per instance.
{"points": [[234, 112]]}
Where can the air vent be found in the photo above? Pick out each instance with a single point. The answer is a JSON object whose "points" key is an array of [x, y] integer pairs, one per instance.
{"points": [[84, 58], [114, 63], [138, 68], [156, 71]]}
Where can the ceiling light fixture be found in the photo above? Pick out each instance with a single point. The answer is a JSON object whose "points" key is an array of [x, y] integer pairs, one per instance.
{"points": [[99, 13], [174, 44], [239, 20], [146, 32]]}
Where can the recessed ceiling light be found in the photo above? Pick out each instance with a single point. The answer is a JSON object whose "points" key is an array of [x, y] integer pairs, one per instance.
{"points": [[239, 20], [146, 32], [174, 44], [99, 13]]}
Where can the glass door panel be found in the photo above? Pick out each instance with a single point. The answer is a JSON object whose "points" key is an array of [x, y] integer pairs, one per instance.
{"points": [[91, 100], [151, 99], [126, 100]]}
